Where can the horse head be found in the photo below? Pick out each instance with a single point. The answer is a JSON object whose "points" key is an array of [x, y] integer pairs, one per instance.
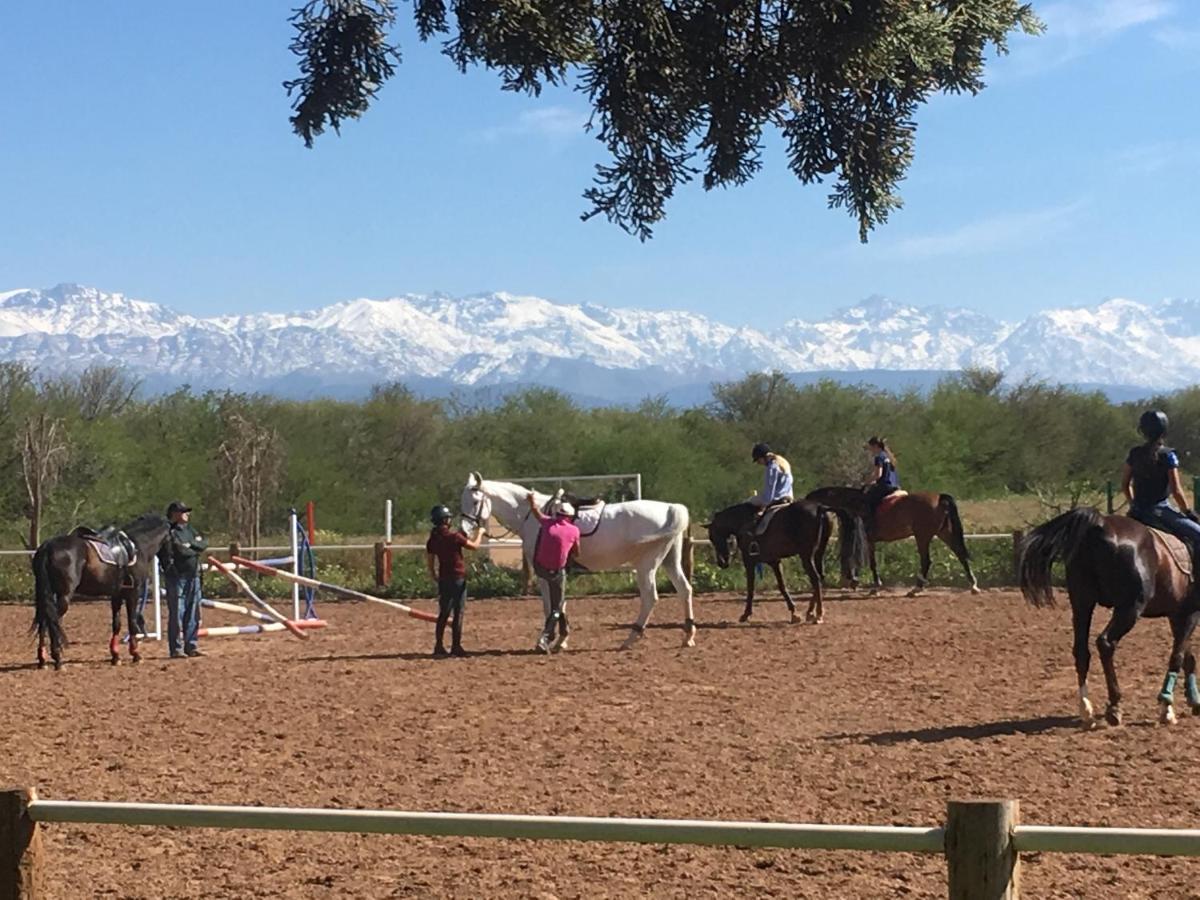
{"points": [[721, 531], [475, 504]]}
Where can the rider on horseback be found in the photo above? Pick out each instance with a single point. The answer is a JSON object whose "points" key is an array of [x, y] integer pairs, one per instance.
{"points": [[884, 479], [777, 489], [1151, 478]]}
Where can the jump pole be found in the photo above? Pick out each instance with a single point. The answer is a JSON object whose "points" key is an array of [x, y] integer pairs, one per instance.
{"points": [[333, 588], [262, 604], [261, 628]]}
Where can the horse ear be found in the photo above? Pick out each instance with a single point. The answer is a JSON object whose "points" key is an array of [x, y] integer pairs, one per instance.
{"points": [[475, 479]]}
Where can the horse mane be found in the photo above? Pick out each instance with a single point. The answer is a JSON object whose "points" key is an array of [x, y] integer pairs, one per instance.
{"points": [[144, 524]]}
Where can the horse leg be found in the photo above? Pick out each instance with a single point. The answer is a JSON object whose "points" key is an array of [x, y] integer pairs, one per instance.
{"points": [[114, 655], [1123, 619], [1081, 621], [816, 606], [751, 568], [649, 594], [1182, 626], [131, 617], [673, 566], [777, 568], [959, 549], [926, 561], [1189, 670], [876, 582]]}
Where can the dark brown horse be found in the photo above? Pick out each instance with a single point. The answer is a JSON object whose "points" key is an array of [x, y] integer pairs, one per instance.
{"points": [[1118, 563], [799, 529], [68, 565], [923, 515]]}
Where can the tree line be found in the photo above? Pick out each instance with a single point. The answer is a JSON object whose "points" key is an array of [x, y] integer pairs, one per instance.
{"points": [[89, 448]]}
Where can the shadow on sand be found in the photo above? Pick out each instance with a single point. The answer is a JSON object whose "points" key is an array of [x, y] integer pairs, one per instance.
{"points": [[1041, 725]]}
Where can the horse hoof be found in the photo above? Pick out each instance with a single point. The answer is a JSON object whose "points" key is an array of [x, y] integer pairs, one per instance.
{"points": [[744, 617], [58, 665], [915, 592], [975, 589], [689, 641], [1167, 715], [41, 664], [1113, 716], [1195, 710], [116, 660], [136, 658], [796, 617], [815, 620]]}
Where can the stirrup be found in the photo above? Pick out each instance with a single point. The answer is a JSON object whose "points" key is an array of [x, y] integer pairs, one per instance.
{"points": [[752, 549]]}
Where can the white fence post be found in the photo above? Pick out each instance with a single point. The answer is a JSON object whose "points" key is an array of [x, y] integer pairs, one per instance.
{"points": [[293, 522]]}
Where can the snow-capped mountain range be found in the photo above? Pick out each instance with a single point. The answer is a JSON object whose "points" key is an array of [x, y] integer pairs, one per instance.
{"points": [[435, 342]]}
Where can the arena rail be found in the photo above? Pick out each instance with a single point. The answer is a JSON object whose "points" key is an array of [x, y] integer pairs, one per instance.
{"points": [[982, 839]]}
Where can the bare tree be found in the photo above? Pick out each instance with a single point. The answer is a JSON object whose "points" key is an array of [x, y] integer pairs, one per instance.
{"points": [[95, 392], [44, 449], [250, 464]]}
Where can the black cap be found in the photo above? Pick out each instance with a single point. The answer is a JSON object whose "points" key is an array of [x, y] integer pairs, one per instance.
{"points": [[177, 506]]}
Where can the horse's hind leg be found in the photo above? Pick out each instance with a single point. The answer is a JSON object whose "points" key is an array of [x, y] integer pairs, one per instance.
{"points": [[777, 568], [816, 607], [959, 548], [131, 616], [113, 653], [1124, 618], [673, 565], [1182, 626], [1189, 670], [1081, 620], [648, 591], [926, 561]]}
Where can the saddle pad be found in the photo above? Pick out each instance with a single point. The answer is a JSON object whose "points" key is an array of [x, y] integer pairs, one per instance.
{"points": [[1176, 549], [112, 556], [587, 520], [889, 501]]}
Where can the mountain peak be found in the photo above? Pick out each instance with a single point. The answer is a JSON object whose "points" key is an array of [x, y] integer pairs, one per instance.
{"points": [[499, 337]]}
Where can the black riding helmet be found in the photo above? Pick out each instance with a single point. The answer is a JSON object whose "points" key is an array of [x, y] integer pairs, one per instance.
{"points": [[1153, 424], [440, 514], [758, 451]]}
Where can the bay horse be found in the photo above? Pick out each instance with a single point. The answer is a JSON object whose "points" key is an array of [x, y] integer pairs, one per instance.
{"points": [[1118, 563], [68, 565], [800, 528], [646, 534], [923, 515]]}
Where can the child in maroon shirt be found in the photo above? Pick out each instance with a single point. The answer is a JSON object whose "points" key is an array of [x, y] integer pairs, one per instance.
{"points": [[446, 548]]}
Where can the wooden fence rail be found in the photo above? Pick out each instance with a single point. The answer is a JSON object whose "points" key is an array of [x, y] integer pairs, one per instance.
{"points": [[981, 841]]}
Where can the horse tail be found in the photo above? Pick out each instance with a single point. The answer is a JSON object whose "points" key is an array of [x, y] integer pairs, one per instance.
{"points": [[45, 604], [1056, 540], [852, 541], [946, 504]]}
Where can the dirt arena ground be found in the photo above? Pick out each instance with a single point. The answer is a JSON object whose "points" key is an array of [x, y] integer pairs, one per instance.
{"points": [[877, 716]]}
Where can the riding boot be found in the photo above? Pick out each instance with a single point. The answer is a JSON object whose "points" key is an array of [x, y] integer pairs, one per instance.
{"points": [[439, 645]]}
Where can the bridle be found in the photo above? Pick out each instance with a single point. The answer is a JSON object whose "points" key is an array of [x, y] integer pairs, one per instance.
{"points": [[483, 512]]}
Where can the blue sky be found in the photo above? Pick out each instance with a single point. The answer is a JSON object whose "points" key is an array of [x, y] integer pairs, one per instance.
{"points": [[145, 148]]}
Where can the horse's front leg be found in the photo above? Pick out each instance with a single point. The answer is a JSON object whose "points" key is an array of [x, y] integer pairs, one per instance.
{"points": [[1124, 618], [777, 568], [751, 569], [876, 581]]}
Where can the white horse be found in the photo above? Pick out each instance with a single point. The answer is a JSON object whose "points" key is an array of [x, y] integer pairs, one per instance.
{"points": [[643, 533]]}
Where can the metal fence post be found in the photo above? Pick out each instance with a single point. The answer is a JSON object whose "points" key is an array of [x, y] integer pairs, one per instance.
{"points": [[980, 856]]}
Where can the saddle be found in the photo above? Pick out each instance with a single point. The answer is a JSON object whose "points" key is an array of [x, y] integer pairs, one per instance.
{"points": [[113, 546], [588, 511], [889, 501], [1176, 549]]}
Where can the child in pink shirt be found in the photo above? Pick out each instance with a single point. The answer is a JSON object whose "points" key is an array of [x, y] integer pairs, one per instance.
{"points": [[557, 541]]}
